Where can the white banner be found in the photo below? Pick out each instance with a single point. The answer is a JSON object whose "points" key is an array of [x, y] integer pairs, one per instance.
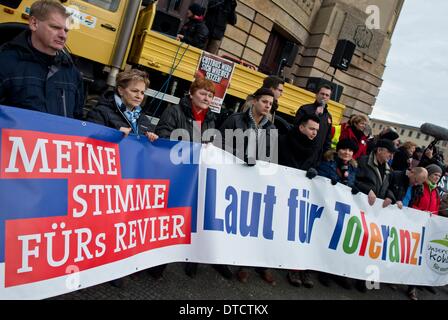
{"points": [[273, 216]]}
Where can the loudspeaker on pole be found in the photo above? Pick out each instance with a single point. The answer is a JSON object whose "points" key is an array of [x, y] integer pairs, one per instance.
{"points": [[343, 54]]}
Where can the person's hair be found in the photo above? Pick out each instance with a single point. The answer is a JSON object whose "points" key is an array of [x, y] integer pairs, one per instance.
{"points": [[263, 92], [324, 86], [357, 118], [125, 77], [408, 145], [419, 170], [308, 117], [42, 8], [201, 83], [272, 82]]}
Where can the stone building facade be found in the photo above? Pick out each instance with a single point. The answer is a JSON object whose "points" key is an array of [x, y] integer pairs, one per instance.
{"points": [[265, 27]]}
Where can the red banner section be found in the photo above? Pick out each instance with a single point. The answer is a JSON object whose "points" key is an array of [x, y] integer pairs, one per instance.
{"points": [[41, 249], [108, 218], [31, 154]]}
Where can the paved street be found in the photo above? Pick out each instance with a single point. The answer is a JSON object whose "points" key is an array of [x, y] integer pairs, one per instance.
{"points": [[209, 285]]}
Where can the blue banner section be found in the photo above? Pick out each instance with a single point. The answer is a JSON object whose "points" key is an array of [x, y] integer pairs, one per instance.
{"points": [[153, 161], [140, 159]]}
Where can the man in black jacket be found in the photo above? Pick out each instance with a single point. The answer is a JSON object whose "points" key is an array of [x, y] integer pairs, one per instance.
{"points": [[194, 31], [373, 175], [219, 14], [246, 134], [297, 149], [320, 109], [36, 73]]}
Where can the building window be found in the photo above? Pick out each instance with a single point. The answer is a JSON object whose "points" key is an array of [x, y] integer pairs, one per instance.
{"points": [[426, 138], [410, 134], [402, 131], [381, 126], [373, 126], [278, 47], [111, 5]]}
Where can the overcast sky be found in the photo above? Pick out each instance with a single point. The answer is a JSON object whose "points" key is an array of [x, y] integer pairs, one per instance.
{"points": [[416, 76]]}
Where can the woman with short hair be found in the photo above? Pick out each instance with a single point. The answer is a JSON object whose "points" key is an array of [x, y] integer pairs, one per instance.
{"points": [[121, 108], [354, 130], [191, 114]]}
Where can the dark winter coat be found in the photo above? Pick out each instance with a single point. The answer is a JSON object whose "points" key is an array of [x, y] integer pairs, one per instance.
{"points": [[242, 121], [323, 138], [399, 184], [329, 169], [108, 114], [368, 178], [219, 14], [181, 117], [32, 80], [401, 161], [195, 32], [296, 150], [443, 209]]}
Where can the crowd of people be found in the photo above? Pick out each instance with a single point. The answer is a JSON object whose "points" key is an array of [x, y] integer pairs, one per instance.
{"points": [[37, 74]]}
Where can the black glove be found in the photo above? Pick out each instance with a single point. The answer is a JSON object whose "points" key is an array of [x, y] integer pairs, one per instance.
{"points": [[355, 190], [311, 173], [334, 181]]}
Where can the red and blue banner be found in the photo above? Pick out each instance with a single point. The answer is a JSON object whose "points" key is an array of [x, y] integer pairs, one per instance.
{"points": [[76, 194], [80, 205]]}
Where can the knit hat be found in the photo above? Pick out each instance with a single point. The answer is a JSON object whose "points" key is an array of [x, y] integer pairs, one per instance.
{"points": [[433, 168], [347, 144], [386, 143], [197, 9]]}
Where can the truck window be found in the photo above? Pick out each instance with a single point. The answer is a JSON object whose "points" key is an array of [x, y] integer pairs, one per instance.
{"points": [[111, 5], [11, 3]]}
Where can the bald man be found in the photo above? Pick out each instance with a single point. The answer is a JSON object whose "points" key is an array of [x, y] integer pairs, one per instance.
{"points": [[401, 183]]}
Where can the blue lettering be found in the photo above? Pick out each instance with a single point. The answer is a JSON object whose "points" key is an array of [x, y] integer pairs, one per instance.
{"points": [[293, 203], [269, 201], [385, 231], [231, 214], [315, 213], [252, 228], [210, 220], [342, 209]]}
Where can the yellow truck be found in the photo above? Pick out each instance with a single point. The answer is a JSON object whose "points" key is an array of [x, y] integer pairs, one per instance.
{"points": [[107, 35]]}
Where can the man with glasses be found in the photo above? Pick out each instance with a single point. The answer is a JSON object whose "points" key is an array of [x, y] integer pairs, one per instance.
{"points": [[36, 73]]}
